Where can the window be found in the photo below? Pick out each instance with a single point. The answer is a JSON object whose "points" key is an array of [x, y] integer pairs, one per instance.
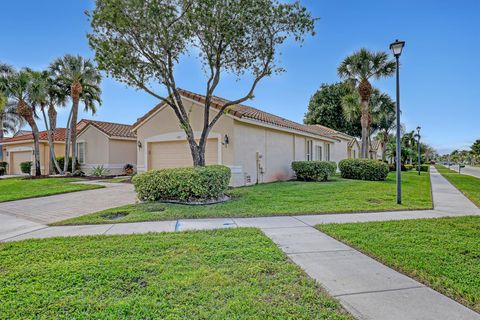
{"points": [[318, 153], [81, 152], [327, 156], [309, 154]]}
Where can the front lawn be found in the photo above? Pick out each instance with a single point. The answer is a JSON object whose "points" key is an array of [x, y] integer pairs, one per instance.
{"points": [[222, 274], [23, 188], [468, 185], [442, 253], [285, 198]]}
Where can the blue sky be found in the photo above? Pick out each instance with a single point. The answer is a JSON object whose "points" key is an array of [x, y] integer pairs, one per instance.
{"points": [[440, 64]]}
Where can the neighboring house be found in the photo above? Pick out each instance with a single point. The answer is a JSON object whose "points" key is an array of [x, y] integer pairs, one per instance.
{"points": [[19, 149], [256, 145], [22, 133], [354, 149], [111, 145], [376, 150]]}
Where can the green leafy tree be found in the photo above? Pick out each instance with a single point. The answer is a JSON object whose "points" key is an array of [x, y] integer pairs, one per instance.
{"points": [[142, 42], [325, 108], [476, 147], [359, 68], [81, 79]]}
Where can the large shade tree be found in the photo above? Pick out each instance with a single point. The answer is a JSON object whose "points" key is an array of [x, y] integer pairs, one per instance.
{"points": [[81, 79], [142, 42], [359, 68], [325, 108]]}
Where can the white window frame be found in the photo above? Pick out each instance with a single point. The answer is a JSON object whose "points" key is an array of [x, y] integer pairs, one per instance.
{"points": [[80, 159], [309, 151], [318, 153]]}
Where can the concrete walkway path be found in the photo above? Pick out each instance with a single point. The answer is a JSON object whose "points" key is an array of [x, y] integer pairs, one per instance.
{"points": [[365, 287]]}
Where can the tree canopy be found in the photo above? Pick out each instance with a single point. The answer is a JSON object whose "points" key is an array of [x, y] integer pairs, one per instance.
{"points": [[140, 43]]}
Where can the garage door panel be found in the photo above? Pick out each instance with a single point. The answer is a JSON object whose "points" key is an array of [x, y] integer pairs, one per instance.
{"points": [[173, 154], [19, 157]]}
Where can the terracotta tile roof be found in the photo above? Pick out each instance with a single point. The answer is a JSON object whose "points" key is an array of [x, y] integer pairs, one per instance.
{"points": [[245, 112], [109, 128], [59, 136], [330, 131]]}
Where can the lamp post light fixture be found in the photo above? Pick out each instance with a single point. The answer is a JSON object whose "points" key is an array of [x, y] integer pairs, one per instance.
{"points": [[397, 48], [418, 145]]}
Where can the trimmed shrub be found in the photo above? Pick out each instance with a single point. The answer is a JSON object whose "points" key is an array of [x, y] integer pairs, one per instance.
{"points": [[26, 167], [128, 169], [61, 163], [2, 171], [424, 167], [314, 170], [4, 164], [393, 167], [183, 184], [409, 167], [363, 169]]}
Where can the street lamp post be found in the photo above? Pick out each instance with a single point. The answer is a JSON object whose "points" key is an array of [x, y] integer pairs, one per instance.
{"points": [[418, 145], [397, 48]]}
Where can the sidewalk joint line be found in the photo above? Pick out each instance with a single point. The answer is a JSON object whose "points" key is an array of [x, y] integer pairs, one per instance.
{"points": [[105, 232], [378, 291], [21, 234]]}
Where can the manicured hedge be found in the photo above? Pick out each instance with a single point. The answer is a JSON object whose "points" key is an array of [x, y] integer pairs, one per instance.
{"points": [[26, 167], [314, 170], [183, 184], [2, 171], [363, 169], [424, 167], [61, 163], [3, 167], [409, 167]]}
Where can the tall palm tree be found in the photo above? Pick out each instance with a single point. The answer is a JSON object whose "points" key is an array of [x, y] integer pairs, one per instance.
{"points": [[17, 86], [43, 94], [10, 121], [359, 68], [79, 75]]}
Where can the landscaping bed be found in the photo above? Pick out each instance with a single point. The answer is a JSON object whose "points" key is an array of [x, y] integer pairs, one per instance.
{"points": [[468, 185], [24, 187], [287, 198], [442, 253], [221, 274]]}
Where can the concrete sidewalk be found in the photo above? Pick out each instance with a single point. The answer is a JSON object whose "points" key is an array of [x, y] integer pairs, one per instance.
{"points": [[365, 287]]}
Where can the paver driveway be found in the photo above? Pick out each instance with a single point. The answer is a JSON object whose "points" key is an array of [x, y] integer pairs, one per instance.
{"points": [[49, 209]]}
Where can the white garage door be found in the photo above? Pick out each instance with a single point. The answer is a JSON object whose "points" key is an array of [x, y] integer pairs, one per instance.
{"points": [[17, 158], [173, 154]]}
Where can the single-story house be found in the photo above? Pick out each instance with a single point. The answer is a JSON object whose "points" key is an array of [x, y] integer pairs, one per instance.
{"points": [[107, 144], [19, 148], [256, 145]]}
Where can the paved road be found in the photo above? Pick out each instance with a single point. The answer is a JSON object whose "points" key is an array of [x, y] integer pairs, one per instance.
{"points": [[472, 171], [365, 287]]}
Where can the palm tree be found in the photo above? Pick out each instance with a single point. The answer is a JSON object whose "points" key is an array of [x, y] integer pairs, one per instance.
{"points": [[359, 68], [10, 121], [17, 86], [82, 79], [43, 93]]}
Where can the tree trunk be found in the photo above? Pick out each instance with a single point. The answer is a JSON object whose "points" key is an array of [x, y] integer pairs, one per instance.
{"points": [[52, 119], [50, 133], [67, 144], [198, 157], [76, 90], [365, 91], [26, 112], [1, 137]]}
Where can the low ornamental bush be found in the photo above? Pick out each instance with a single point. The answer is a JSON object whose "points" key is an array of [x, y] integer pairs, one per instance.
{"points": [[2, 171], [363, 169], [26, 167], [424, 167], [409, 167], [61, 163], [314, 170], [393, 167], [183, 184], [4, 164]]}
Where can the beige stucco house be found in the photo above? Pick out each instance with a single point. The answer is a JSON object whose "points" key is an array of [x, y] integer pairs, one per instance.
{"points": [[20, 148], [256, 145], [107, 144]]}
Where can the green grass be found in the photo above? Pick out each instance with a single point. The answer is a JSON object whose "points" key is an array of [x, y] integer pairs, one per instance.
{"points": [[23, 188], [442, 253], [223, 274], [285, 198], [468, 185]]}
